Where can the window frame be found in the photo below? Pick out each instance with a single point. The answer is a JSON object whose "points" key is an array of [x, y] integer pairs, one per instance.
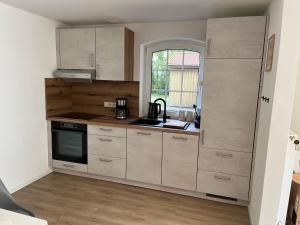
{"points": [[188, 45], [182, 68]]}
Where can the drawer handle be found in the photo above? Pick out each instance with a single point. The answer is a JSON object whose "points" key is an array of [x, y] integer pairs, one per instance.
{"points": [[202, 137], [68, 166], [179, 138], [92, 60], [209, 43], [223, 178], [143, 133], [105, 129], [221, 154], [104, 140], [105, 160]]}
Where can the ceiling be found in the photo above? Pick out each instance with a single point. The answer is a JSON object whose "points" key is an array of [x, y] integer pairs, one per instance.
{"points": [[126, 11]]}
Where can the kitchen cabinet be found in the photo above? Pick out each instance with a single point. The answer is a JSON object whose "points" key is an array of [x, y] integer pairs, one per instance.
{"points": [[107, 131], [107, 146], [69, 166], [239, 37], [179, 163], [109, 50], [114, 53], [107, 151], [76, 48], [220, 184], [230, 162], [144, 155], [229, 103], [107, 166]]}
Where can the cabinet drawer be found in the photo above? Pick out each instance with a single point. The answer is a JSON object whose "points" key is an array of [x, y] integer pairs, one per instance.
{"points": [[107, 166], [214, 160], [144, 153], [107, 146], [179, 164], [223, 185], [107, 131], [69, 166]]}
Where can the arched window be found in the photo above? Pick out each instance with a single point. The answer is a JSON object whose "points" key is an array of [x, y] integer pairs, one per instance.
{"points": [[174, 72]]}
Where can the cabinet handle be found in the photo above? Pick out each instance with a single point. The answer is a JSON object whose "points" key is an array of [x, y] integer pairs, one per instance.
{"points": [[92, 60], [68, 166], [208, 46], [97, 71], [202, 137], [223, 178], [221, 154], [105, 129], [105, 160], [105, 140], [143, 133], [180, 138]]}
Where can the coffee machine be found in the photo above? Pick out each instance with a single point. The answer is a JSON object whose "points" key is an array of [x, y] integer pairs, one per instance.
{"points": [[121, 108]]}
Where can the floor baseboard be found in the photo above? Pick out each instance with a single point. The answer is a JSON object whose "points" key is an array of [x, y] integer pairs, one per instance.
{"points": [[35, 178]]}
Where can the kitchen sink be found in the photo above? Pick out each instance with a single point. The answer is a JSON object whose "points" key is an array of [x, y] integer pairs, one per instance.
{"points": [[147, 122]]}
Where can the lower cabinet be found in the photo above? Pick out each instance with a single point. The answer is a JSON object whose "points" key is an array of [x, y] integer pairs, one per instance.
{"points": [[107, 166], [230, 162], [179, 164], [144, 154], [168, 159], [69, 166], [221, 184], [224, 173], [107, 151]]}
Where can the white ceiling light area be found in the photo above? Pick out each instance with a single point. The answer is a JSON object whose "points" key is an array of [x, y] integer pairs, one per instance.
{"points": [[78, 12]]}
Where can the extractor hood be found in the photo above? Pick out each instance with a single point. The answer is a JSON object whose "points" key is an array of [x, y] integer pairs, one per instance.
{"points": [[76, 75]]}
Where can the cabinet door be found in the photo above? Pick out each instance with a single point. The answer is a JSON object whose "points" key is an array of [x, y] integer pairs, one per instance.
{"points": [[230, 93], [76, 48], [144, 153], [239, 37], [179, 164], [110, 53]]}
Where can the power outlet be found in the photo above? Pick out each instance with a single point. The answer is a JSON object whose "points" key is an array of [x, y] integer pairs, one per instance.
{"points": [[110, 104]]}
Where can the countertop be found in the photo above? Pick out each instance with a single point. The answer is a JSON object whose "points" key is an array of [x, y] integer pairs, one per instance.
{"points": [[111, 121]]}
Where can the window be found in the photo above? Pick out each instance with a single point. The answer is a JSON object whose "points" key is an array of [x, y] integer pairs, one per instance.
{"points": [[175, 77]]}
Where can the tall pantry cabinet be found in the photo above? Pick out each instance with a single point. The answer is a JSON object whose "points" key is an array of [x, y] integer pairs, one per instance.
{"points": [[233, 63]]}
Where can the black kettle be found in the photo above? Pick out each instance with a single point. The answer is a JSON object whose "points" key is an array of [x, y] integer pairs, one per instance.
{"points": [[154, 110]]}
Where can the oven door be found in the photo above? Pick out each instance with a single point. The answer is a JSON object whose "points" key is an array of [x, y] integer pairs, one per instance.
{"points": [[70, 146]]}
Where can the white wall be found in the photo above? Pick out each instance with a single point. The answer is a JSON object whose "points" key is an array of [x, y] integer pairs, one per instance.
{"points": [[147, 32], [296, 112], [27, 56], [275, 118]]}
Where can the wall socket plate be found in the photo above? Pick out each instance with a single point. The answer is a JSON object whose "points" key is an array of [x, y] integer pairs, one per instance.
{"points": [[110, 104]]}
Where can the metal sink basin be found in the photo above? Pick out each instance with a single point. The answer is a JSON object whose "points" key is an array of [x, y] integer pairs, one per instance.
{"points": [[147, 122]]}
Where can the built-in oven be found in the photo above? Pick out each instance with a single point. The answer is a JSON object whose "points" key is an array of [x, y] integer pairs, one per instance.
{"points": [[69, 142]]}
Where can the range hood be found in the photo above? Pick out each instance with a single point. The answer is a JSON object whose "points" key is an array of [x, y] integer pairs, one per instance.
{"points": [[76, 75]]}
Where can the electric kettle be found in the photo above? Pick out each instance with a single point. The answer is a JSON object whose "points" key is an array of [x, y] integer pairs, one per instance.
{"points": [[154, 110]]}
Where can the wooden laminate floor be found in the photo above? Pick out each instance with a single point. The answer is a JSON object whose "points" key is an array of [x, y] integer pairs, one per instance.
{"points": [[70, 200]]}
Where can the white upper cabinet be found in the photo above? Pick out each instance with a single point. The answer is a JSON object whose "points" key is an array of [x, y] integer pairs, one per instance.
{"points": [[229, 103], [109, 50], [240, 37], [76, 48], [114, 53]]}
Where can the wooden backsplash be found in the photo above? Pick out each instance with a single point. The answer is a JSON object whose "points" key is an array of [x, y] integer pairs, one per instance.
{"points": [[63, 97], [58, 97]]}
